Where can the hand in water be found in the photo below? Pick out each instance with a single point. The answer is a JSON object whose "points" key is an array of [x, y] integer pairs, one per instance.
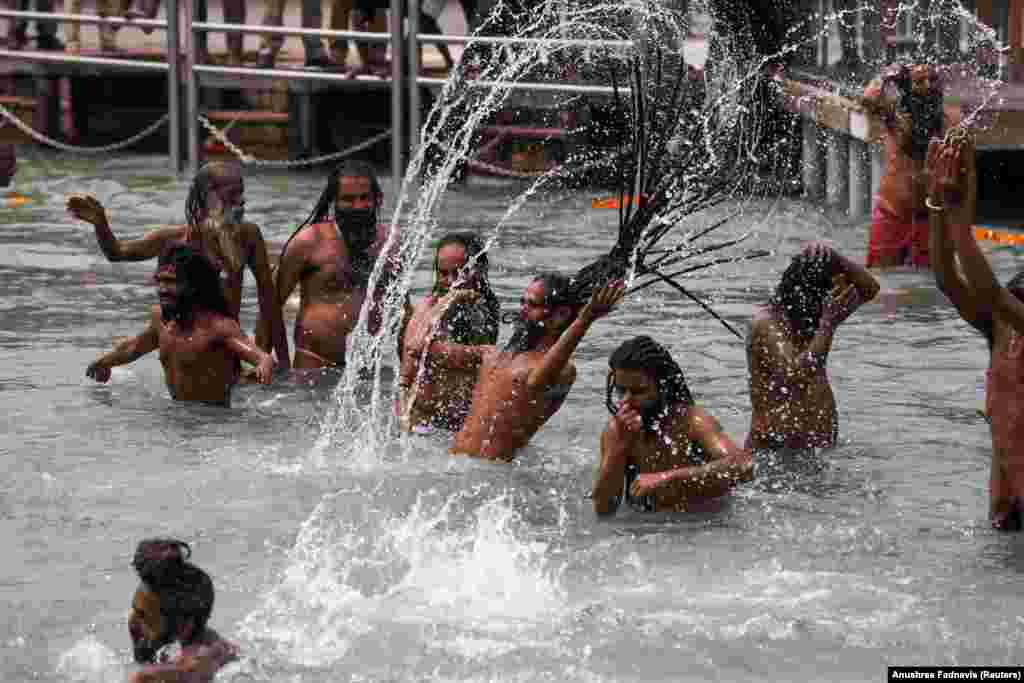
{"points": [[98, 372], [86, 208], [603, 301]]}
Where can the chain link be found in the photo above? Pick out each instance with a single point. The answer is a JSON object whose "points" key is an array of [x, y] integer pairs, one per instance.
{"points": [[247, 158], [39, 137]]}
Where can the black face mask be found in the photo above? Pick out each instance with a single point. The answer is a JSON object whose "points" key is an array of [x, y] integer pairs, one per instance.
{"points": [[181, 307], [358, 227], [145, 651], [926, 121]]}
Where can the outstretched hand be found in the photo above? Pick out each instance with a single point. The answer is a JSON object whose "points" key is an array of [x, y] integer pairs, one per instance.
{"points": [[87, 208], [98, 372], [947, 173], [603, 301]]}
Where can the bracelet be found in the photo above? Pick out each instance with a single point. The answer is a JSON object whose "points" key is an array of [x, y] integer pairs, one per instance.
{"points": [[933, 207]]}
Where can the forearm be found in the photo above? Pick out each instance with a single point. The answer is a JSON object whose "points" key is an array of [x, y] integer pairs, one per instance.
{"points": [[122, 354], [708, 481], [107, 240], [607, 491], [980, 278], [862, 279], [558, 355], [940, 254]]}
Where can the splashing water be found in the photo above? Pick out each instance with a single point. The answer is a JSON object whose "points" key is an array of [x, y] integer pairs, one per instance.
{"points": [[90, 661]]}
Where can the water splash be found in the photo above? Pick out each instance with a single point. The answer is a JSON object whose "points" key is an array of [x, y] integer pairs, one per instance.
{"points": [[91, 661]]}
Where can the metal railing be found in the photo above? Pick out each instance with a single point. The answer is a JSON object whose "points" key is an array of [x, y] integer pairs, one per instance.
{"points": [[403, 104]]}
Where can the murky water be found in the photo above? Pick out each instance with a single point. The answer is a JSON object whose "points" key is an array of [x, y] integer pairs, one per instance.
{"points": [[406, 564]]}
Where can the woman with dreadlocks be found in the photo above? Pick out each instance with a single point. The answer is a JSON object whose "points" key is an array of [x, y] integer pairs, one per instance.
{"points": [[435, 396], [215, 224], [330, 258], [172, 604], [660, 451], [788, 346]]}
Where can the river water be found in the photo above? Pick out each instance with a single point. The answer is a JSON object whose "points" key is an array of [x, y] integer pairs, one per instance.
{"points": [[402, 563]]}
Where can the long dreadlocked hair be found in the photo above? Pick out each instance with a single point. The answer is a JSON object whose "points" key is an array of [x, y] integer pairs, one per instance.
{"points": [[323, 210], [461, 321], [203, 286], [664, 178], [644, 354], [801, 291], [226, 237], [185, 590]]}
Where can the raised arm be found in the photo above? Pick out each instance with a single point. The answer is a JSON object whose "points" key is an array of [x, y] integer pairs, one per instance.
{"points": [[88, 209], [952, 198], [866, 284], [601, 303], [728, 464], [276, 336], [128, 350]]}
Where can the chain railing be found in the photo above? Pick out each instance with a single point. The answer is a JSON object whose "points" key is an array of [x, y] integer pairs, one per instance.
{"points": [[404, 100]]}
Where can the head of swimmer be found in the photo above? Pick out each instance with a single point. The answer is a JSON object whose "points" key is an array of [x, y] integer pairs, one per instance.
{"points": [[8, 164], [172, 602], [546, 308], [801, 292], [217, 192], [461, 262], [357, 198], [185, 279], [643, 375]]}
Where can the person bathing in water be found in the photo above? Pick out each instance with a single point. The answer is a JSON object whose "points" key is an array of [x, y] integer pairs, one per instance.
{"points": [[521, 386], [909, 101], [788, 346], [660, 450], [435, 396], [331, 261], [199, 341], [997, 312], [172, 605], [215, 211]]}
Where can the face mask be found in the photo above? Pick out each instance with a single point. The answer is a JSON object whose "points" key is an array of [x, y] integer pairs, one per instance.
{"points": [[358, 227]]}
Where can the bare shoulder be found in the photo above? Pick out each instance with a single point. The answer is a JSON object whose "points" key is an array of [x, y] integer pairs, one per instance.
{"points": [[763, 323], [223, 325], [700, 421]]}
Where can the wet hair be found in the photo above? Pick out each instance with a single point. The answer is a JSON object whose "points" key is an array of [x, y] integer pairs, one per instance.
{"points": [[559, 291], [801, 292], [646, 355], [198, 281], [185, 590], [199, 190], [926, 112], [475, 323]]}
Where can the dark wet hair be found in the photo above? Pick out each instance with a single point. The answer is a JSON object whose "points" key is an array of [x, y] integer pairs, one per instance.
{"points": [[198, 280], [199, 190], [185, 590], [559, 291], [801, 292], [475, 323], [646, 355]]}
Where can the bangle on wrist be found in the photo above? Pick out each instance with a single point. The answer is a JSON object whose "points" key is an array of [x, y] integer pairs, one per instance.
{"points": [[933, 207]]}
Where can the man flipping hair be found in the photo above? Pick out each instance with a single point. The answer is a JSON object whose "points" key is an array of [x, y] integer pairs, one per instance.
{"points": [[660, 450], [172, 605]]}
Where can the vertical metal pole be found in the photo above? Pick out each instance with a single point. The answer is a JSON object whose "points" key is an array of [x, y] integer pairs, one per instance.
{"points": [[413, 45], [191, 89], [174, 85], [397, 142]]}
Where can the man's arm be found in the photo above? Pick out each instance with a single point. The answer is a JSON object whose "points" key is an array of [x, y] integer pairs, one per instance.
{"points": [[728, 463], [269, 303], [126, 351], [235, 342], [601, 303], [611, 473], [866, 284], [88, 209]]}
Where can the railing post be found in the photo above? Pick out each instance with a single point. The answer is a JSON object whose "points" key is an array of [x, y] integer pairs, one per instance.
{"points": [[397, 115], [413, 46], [191, 88], [174, 85]]}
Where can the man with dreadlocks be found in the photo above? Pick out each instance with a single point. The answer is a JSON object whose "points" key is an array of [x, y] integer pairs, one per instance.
{"points": [[215, 214], [521, 386], [660, 450], [788, 346], [330, 257], [172, 605], [199, 341], [461, 309], [997, 312], [908, 101]]}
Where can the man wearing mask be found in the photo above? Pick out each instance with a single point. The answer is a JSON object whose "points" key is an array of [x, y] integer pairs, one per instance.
{"points": [[331, 261], [200, 343], [660, 450], [215, 211], [172, 605]]}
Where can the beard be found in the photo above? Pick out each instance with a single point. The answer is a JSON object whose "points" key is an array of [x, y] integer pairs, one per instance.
{"points": [[145, 651], [525, 336], [650, 412]]}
